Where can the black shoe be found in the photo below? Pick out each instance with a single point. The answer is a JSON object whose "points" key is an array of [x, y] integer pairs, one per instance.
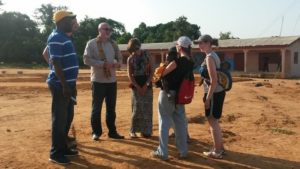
{"points": [[146, 135], [95, 137], [70, 139], [115, 136], [172, 135], [60, 160], [71, 152], [71, 145], [188, 139]]}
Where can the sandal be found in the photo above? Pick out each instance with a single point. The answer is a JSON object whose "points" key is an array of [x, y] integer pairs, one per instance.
{"points": [[132, 135], [213, 154]]}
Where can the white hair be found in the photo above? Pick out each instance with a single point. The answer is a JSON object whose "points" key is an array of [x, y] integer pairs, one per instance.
{"points": [[102, 24]]}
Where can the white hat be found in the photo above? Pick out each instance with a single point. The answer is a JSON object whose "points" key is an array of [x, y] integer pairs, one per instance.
{"points": [[184, 41]]}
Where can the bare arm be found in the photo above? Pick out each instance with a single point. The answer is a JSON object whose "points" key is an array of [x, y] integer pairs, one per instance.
{"points": [[211, 67], [46, 55], [172, 66]]}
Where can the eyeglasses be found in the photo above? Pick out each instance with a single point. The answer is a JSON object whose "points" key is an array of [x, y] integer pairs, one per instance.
{"points": [[107, 29], [202, 42]]}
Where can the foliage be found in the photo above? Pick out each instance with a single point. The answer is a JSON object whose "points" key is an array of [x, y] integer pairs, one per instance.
{"points": [[226, 35], [167, 32], [19, 38], [23, 39], [44, 16], [88, 30]]}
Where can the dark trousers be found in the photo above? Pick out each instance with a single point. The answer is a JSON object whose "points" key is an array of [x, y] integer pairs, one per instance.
{"points": [[101, 91], [62, 116]]}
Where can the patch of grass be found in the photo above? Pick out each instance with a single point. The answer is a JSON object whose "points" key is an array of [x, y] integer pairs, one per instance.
{"points": [[282, 131]]}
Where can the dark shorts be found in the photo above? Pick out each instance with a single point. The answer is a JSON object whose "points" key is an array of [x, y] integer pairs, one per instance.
{"points": [[216, 104]]}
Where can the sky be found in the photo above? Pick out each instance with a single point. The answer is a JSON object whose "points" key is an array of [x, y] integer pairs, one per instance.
{"points": [[243, 18]]}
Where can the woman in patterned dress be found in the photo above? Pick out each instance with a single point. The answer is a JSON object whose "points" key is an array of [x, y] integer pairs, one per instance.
{"points": [[140, 72]]}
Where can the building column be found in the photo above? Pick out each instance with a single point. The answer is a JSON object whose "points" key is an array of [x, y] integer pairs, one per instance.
{"points": [[283, 63], [246, 51], [162, 57]]}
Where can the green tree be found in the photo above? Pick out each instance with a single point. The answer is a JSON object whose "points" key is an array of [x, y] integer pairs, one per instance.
{"points": [[88, 29], [44, 16], [167, 32], [124, 38], [141, 32], [19, 39], [226, 35], [183, 27]]}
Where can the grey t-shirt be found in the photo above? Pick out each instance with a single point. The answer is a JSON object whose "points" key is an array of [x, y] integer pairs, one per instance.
{"points": [[217, 60]]}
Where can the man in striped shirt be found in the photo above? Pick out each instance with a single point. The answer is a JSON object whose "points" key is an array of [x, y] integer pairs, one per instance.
{"points": [[63, 63]]}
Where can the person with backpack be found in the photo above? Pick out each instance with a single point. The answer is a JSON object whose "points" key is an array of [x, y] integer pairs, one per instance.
{"points": [[104, 57], [168, 107], [162, 82], [140, 73], [214, 93]]}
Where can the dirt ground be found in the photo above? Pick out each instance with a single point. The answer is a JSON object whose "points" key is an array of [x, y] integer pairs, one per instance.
{"points": [[260, 127]]}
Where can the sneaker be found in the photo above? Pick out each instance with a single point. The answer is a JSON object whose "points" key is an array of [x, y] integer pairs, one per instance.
{"points": [[71, 144], [172, 135], [60, 160], [133, 135], [95, 137], [223, 152], [70, 139], [71, 153], [183, 156], [188, 139], [155, 154], [213, 154], [146, 135], [115, 136]]}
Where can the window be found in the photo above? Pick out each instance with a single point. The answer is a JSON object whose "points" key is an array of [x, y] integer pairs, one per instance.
{"points": [[296, 58]]}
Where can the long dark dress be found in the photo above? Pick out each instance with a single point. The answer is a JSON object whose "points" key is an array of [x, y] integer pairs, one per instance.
{"points": [[142, 106]]}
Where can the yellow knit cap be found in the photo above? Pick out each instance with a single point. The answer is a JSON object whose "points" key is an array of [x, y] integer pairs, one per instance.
{"points": [[59, 15]]}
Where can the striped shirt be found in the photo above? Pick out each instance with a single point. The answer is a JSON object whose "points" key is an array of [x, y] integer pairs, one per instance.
{"points": [[61, 47]]}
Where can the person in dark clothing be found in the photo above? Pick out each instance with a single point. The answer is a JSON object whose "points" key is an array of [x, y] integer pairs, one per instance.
{"points": [[163, 82]]}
